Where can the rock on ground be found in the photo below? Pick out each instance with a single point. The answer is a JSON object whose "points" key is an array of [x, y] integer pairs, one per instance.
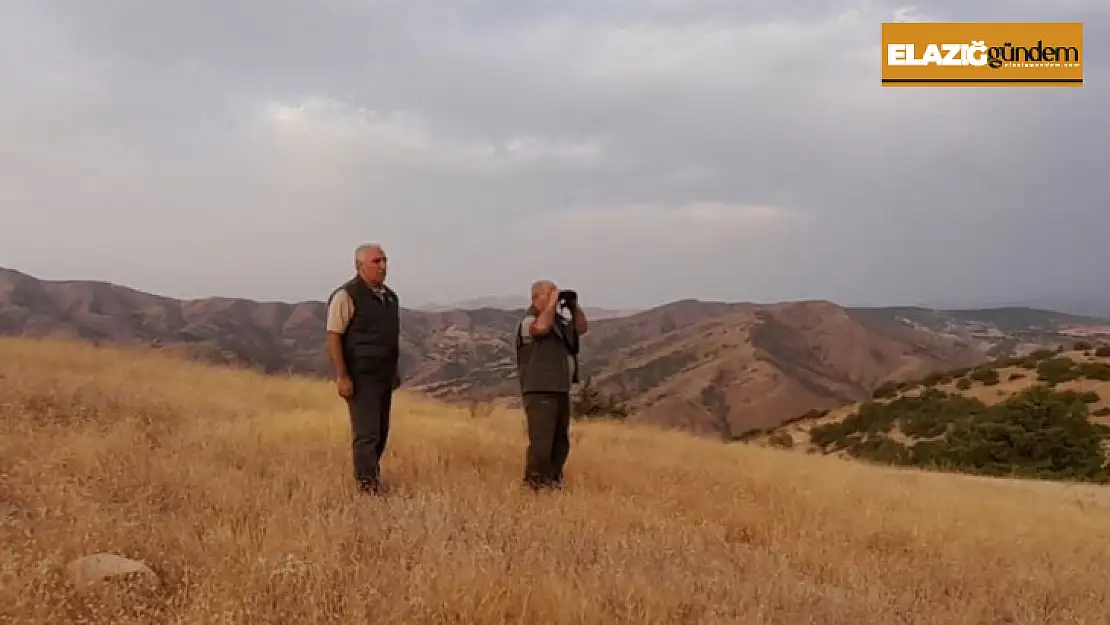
{"points": [[92, 569]]}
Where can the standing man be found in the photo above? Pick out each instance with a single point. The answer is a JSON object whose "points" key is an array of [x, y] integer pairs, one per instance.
{"points": [[363, 343], [547, 366]]}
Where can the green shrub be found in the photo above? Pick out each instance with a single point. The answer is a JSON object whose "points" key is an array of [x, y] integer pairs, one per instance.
{"points": [[1033, 359], [989, 377], [781, 439], [886, 389], [1057, 370], [1088, 397], [748, 435], [1102, 412], [1103, 351], [1037, 433], [1095, 370], [1013, 361], [934, 414], [880, 449], [909, 385], [1017, 375], [832, 436], [929, 454], [935, 378], [806, 416], [1081, 346], [590, 403], [963, 384]]}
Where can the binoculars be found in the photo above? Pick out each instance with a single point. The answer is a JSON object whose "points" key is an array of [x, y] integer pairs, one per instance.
{"points": [[568, 298]]}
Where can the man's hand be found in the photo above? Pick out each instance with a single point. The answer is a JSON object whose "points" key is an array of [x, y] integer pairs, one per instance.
{"points": [[344, 386], [546, 317], [552, 297], [581, 326], [334, 342]]}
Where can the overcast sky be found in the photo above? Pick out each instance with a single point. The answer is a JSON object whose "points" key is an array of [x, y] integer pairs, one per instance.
{"points": [[639, 150]]}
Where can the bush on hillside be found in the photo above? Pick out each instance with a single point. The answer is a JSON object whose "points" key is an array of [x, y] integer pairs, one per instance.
{"points": [[1057, 370], [748, 435], [925, 415], [989, 377], [963, 384], [1087, 397], [1103, 351], [591, 403], [936, 378], [781, 439], [886, 389], [1095, 370], [1081, 346], [1033, 359], [880, 449], [909, 385], [1102, 412], [807, 416], [1036, 433], [1017, 375]]}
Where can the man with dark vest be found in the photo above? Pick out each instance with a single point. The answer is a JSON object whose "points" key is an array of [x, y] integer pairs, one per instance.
{"points": [[363, 343], [547, 366]]}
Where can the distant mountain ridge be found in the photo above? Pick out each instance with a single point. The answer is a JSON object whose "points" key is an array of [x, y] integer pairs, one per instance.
{"points": [[511, 302], [712, 367]]}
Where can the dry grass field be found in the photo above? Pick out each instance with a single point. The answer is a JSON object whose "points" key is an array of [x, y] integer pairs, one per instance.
{"points": [[236, 490]]}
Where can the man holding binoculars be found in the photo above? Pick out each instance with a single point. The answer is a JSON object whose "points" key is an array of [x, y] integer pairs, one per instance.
{"points": [[547, 366]]}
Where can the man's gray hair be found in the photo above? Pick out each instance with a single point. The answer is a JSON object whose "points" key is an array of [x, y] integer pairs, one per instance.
{"points": [[366, 246]]}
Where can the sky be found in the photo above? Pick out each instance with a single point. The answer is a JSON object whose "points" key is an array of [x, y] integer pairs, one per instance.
{"points": [[640, 151]]}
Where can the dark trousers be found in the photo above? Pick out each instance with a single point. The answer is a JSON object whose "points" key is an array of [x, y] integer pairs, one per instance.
{"points": [[548, 417], [369, 406]]}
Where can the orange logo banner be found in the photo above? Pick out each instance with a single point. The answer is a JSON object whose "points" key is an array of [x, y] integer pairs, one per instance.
{"points": [[982, 54]]}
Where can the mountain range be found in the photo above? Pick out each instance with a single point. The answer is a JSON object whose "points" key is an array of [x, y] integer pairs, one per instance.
{"points": [[511, 302], [717, 368]]}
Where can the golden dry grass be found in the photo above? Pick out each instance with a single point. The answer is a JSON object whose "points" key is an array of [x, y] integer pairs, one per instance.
{"points": [[236, 489]]}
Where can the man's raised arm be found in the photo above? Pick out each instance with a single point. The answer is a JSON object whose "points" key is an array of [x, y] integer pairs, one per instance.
{"points": [[546, 318]]}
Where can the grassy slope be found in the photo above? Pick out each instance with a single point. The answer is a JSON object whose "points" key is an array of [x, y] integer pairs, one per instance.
{"points": [[236, 489]]}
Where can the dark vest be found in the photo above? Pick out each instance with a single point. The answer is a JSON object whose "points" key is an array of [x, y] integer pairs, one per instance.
{"points": [[542, 364], [372, 342]]}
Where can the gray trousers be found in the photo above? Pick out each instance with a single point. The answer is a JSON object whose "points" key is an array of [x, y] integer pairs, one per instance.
{"points": [[548, 418], [369, 407]]}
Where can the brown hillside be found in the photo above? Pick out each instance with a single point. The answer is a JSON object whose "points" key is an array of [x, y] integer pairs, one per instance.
{"points": [[756, 367], [711, 367]]}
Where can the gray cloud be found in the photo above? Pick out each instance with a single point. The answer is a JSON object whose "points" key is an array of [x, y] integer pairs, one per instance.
{"points": [[640, 150]]}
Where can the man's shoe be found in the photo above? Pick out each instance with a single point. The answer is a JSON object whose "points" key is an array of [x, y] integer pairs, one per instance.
{"points": [[369, 487], [540, 485]]}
